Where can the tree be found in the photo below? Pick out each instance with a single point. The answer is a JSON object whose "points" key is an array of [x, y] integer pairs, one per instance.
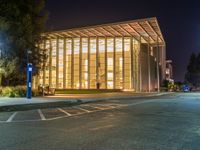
{"points": [[21, 25], [192, 63], [193, 70]]}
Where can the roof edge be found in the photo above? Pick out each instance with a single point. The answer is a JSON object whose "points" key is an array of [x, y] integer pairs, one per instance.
{"points": [[105, 24]]}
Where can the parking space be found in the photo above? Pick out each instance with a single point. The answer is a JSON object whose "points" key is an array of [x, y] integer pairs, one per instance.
{"points": [[51, 113], [4, 116], [26, 115], [55, 113], [90, 108], [72, 110]]}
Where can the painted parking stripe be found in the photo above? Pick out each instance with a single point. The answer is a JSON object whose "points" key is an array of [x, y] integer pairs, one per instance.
{"points": [[108, 106], [11, 117], [41, 115], [60, 109], [85, 110], [97, 107]]}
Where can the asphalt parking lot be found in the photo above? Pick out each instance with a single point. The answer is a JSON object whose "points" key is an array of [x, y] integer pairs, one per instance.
{"points": [[55, 113], [169, 122]]}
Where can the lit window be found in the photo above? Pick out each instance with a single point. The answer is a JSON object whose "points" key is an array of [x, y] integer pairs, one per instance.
{"points": [[110, 84], [110, 75], [110, 61], [151, 51]]}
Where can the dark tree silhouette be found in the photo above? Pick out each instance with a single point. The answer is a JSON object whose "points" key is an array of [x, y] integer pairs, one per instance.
{"points": [[21, 25], [193, 70]]}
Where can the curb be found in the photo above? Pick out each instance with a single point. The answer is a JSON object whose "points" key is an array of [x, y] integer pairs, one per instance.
{"points": [[123, 97], [70, 102]]}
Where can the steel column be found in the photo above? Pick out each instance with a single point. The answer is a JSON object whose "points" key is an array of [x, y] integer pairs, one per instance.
{"points": [[149, 68], [57, 62], [80, 64], [157, 66], [114, 63], [64, 63], [132, 64], [50, 64], [72, 65], [123, 63], [140, 66], [97, 60], [88, 63], [106, 63], [44, 64]]}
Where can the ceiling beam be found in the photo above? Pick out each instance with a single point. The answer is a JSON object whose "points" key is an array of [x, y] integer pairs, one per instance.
{"points": [[97, 31], [128, 32], [147, 22], [107, 31], [116, 31], [81, 33], [86, 30], [73, 34], [146, 31]]}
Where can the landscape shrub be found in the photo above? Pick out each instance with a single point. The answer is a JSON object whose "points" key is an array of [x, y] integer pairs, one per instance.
{"points": [[18, 91]]}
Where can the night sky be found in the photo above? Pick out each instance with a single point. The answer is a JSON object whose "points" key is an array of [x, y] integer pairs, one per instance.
{"points": [[179, 21]]}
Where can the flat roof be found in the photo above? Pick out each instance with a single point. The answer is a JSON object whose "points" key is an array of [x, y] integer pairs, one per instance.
{"points": [[147, 29]]}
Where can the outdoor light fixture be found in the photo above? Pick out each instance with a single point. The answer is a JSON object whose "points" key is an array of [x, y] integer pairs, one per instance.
{"points": [[29, 77]]}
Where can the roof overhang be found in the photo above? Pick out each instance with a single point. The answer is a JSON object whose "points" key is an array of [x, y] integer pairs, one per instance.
{"points": [[144, 30]]}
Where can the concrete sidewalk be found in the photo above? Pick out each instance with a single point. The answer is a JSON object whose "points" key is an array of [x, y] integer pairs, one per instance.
{"points": [[74, 98]]}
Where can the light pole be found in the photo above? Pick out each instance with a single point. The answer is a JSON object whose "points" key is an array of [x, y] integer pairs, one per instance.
{"points": [[29, 76]]}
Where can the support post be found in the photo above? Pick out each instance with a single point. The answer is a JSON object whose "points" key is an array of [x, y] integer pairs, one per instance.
{"points": [[140, 66], [114, 63], [123, 63], [72, 66], [80, 65], [149, 68], [57, 62], [64, 63], [44, 64], [157, 66], [106, 81], [50, 64], [88, 63], [132, 64], [97, 63]]}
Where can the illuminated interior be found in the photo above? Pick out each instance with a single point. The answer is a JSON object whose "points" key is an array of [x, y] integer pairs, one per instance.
{"points": [[112, 56]]}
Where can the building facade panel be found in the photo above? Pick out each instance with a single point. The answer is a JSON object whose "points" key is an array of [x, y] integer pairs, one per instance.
{"points": [[103, 62]]}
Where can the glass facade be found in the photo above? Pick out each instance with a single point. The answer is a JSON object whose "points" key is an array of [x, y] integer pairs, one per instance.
{"points": [[118, 57], [91, 63]]}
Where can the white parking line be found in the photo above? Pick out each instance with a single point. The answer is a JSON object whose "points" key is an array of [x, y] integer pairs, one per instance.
{"points": [[97, 107], [11, 117], [60, 109], [41, 115], [108, 106], [85, 110]]}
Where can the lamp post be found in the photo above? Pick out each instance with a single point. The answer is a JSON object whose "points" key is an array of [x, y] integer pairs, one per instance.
{"points": [[29, 77]]}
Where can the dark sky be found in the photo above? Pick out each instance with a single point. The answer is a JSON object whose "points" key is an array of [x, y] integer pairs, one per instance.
{"points": [[179, 21]]}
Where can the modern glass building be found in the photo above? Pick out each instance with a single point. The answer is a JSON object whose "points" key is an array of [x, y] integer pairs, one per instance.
{"points": [[125, 55]]}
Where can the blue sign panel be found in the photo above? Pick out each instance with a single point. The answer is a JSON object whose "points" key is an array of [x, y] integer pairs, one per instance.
{"points": [[29, 81]]}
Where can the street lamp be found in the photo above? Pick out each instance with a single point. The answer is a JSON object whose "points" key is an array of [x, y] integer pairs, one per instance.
{"points": [[29, 76]]}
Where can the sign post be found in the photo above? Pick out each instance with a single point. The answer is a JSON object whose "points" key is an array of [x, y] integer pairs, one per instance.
{"points": [[29, 81]]}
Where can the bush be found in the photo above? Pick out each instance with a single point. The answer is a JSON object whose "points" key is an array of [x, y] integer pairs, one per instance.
{"points": [[6, 91], [35, 93], [18, 91]]}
